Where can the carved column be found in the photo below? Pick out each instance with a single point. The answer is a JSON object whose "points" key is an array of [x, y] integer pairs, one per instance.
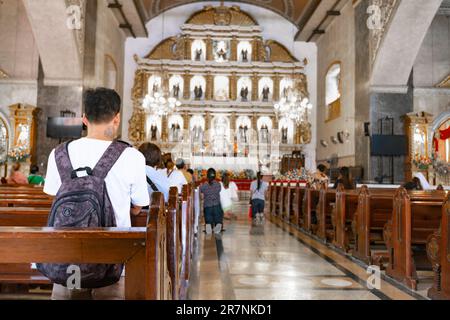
{"points": [[255, 87], [186, 120], [207, 126], [209, 49], [233, 121], [164, 129], [234, 48], [275, 122], [233, 87], [187, 86], [256, 49], [209, 92], [140, 85], [187, 48], [255, 121], [276, 87]]}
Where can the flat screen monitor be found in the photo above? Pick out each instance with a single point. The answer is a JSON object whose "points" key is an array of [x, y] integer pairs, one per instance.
{"points": [[387, 145], [64, 128]]}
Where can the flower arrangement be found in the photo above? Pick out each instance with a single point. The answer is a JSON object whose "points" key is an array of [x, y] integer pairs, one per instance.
{"points": [[234, 175], [422, 162], [19, 154], [293, 175]]}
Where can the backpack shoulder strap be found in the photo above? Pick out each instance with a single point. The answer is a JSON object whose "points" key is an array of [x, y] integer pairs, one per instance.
{"points": [[152, 185], [63, 162], [109, 158]]}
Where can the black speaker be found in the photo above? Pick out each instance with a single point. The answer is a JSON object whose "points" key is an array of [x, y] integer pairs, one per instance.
{"points": [[367, 129]]}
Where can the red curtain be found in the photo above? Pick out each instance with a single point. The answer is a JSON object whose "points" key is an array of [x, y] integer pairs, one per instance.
{"points": [[444, 134]]}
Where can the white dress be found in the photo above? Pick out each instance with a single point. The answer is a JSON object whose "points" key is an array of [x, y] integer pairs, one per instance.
{"points": [[228, 196]]}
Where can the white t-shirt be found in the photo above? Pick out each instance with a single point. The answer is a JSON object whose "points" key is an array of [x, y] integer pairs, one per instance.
{"points": [[176, 179], [228, 196], [126, 183], [160, 180]]}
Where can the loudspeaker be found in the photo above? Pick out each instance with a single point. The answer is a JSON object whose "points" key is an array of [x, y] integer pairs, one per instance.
{"points": [[367, 129]]}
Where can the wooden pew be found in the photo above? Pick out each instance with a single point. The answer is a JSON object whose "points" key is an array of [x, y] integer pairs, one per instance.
{"points": [[374, 209], [32, 203], [342, 217], [414, 219], [187, 236], [309, 207], [174, 241], [438, 251], [297, 217], [325, 207], [142, 250]]}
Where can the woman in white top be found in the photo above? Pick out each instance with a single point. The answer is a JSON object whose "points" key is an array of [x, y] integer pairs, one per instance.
{"points": [[228, 195], [176, 178]]}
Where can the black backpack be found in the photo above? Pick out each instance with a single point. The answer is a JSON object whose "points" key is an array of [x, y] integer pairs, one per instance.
{"points": [[83, 202]]}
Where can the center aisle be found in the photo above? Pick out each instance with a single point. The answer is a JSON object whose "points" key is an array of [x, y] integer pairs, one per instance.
{"points": [[273, 262]]}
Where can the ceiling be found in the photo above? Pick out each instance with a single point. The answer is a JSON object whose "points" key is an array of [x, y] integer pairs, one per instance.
{"points": [[297, 11]]}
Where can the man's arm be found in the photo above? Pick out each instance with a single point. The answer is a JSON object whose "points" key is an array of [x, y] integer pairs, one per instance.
{"points": [[139, 190], [52, 180]]}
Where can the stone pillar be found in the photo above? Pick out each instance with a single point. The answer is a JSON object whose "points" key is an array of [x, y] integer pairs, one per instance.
{"points": [[164, 129], [255, 87], [234, 48], [207, 126], [233, 121], [209, 91], [186, 120], [187, 48], [256, 49], [276, 87], [187, 86], [233, 87], [275, 122], [209, 49]]}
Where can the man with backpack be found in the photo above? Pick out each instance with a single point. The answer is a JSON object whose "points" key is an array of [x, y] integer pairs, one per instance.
{"points": [[98, 181]]}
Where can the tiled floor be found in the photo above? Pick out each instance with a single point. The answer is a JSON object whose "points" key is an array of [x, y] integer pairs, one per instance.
{"points": [[279, 262]]}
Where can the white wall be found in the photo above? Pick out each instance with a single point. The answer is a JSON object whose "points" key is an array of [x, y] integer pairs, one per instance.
{"points": [[431, 67], [338, 44], [273, 27]]}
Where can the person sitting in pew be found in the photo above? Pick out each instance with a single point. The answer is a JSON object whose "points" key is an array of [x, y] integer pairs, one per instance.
{"points": [[156, 180], [413, 185], [125, 182], [319, 177], [176, 177], [344, 179], [34, 178], [17, 177]]}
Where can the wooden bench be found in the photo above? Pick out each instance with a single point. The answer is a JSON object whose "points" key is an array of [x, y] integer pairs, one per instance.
{"points": [[325, 208], [413, 220], [31, 203], [374, 209], [438, 251], [345, 208], [142, 250]]}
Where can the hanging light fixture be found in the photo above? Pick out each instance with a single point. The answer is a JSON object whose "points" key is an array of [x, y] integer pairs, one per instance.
{"points": [[159, 102], [294, 105]]}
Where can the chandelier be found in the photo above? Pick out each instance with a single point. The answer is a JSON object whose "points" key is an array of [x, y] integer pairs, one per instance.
{"points": [[293, 105], [159, 100]]}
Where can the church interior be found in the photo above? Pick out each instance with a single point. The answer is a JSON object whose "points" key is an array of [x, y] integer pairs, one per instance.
{"points": [[338, 109]]}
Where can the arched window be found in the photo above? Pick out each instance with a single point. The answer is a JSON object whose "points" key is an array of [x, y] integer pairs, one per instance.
{"points": [[333, 92], [110, 73], [4, 144]]}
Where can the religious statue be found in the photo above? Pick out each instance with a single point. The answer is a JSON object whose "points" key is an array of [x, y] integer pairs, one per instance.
{"points": [[244, 94], [284, 135], [222, 54], [176, 90], [197, 134], [175, 132], [286, 91], [244, 54], [198, 54], [154, 131], [265, 133], [266, 93], [155, 88], [198, 92]]}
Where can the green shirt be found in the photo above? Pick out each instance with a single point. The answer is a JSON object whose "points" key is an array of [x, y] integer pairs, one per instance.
{"points": [[36, 180]]}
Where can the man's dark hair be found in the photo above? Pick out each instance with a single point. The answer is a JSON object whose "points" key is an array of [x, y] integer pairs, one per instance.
{"points": [[190, 171], [152, 154], [34, 169], [101, 105], [321, 168]]}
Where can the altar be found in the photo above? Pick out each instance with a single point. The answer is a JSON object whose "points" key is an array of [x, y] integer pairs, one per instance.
{"points": [[225, 163]]}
